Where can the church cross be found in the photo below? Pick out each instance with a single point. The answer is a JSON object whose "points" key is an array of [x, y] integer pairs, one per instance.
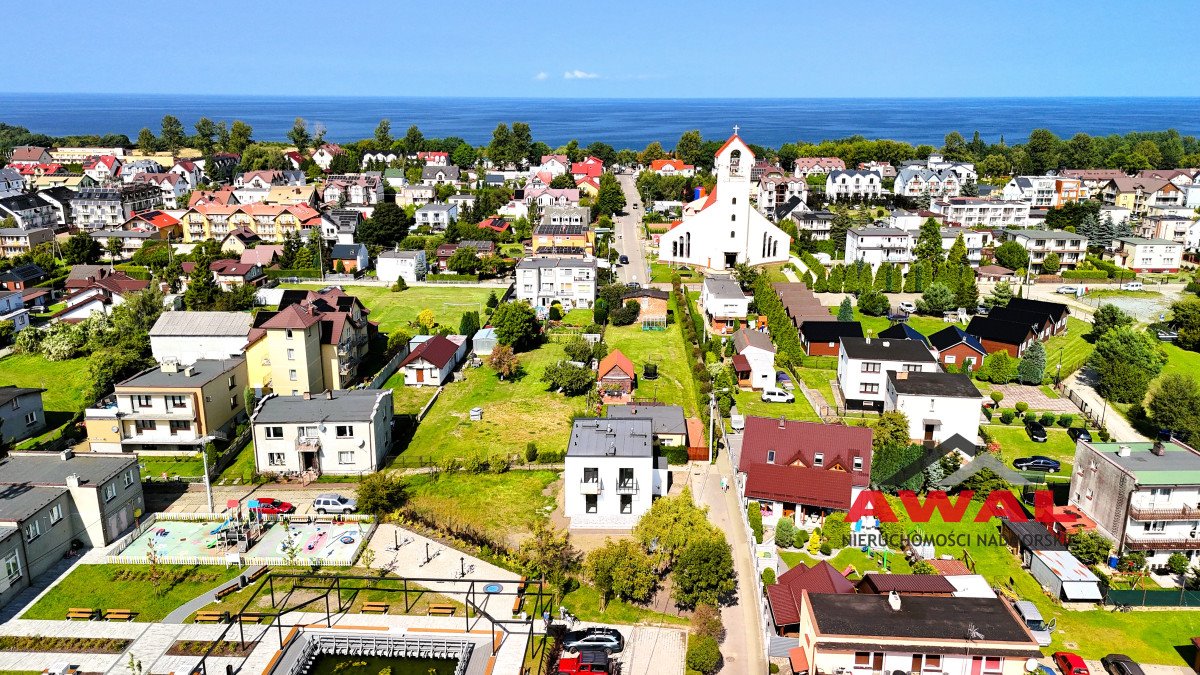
{"points": [[735, 130]]}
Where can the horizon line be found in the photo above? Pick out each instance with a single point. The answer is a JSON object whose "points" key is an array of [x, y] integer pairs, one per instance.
{"points": [[609, 98]]}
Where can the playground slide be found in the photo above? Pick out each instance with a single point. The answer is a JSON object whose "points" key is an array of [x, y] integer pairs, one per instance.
{"points": [[222, 526]]}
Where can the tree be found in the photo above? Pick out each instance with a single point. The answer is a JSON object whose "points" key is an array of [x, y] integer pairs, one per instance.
{"points": [[239, 137], [652, 151], [1012, 255], [1125, 361], [1043, 151], [114, 247], [469, 323], [81, 249], [173, 136], [569, 378], [1175, 405], [504, 361], [381, 493], [891, 429], [516, 325], [746, 275], [1000, 295], [387, 226], [1089, 546], [1033, 364], [299, 135], [146, 142], [206, 132], [1051, 263], [464, 260], [621, 569], [937, 298], [838, 228], [1186, 318], [383, 135], [703, 655], [845, 310], [966, 293], [785, 532], [610, 199], [929, 244], [703, 573], [670, 526], [998, 367], [1108, 316], [563, 181], [549, 554], [690, 147], [956, 257], [1178, 563], [871, 303], [924, 567]]}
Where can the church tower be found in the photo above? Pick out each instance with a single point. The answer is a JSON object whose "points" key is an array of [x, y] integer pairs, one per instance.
{"points": [[732, 165]]}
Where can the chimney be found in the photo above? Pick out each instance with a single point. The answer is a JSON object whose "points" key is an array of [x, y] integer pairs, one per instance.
{"points": [[1158, 449], [170, 366], [1124, 451], [73, 480], [189, 371], [329, 395], [894, 601], [66, 454], [308, 396], [782, 422]]}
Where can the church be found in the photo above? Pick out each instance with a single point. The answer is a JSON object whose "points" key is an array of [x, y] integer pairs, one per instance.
{"points": [[701, 238]]}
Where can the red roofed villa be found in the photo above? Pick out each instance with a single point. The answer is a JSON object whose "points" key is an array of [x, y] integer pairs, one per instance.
{"points": [[616, 378]]}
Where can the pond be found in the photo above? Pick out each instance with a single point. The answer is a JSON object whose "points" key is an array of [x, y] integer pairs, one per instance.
{"points": [[375, 665]]}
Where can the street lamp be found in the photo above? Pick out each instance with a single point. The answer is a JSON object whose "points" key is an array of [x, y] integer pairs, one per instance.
{"points": [[712, 418], [1058, 371]]}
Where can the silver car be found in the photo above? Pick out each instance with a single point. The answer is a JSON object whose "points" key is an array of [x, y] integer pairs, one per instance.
{"points": [[332, 503]]}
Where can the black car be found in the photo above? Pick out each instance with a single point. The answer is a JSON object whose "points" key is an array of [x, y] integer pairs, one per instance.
{"points": [[624, 260], [1079, 434], [1119, 664], [1037, 463], [1037, 432], [607, 640]]}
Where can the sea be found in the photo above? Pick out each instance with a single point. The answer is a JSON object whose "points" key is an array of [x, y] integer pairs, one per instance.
{"points": [[622, 123]]}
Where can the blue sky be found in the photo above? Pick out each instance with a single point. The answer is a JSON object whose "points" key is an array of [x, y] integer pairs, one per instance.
{"points": [[643, 48]]}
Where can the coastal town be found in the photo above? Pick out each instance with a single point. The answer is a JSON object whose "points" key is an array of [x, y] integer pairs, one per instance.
{"points": [[705, 407]]}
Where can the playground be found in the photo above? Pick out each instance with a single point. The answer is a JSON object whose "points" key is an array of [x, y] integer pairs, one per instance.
{"points": [[317, 542], [182, 539]]}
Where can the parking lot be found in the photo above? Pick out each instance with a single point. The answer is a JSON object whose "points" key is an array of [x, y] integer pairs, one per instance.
{"points": [[193, 500]]}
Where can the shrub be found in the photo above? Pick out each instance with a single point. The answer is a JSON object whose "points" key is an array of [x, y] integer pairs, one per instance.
{"points": [[703, 654], [1007, 417], [676, 454], [531, 451], [1047, 419], [826, 549], [836, 531], [785, 532], [997, 396], [706, 621], [400, 285], [774, 668], [474, 464], [754, 514], [550, 456], [987, 412], [499, 465], [1065, 420], [1022, 407], [768, 576], [380, 493]]}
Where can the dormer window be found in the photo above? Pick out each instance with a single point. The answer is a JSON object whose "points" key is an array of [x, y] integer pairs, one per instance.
{"points": [[770, 457], [819, 459], [858, 463]]}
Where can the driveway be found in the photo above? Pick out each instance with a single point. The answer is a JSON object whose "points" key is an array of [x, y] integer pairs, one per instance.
{"points": [[629, 234], [1035, 397], [194, 500], [1119, 428]]}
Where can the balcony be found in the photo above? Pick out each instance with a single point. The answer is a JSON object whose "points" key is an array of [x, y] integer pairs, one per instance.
{"points": [[1165, 512], [1172, 542], [590, 487], [627, 487], [308, 444]]}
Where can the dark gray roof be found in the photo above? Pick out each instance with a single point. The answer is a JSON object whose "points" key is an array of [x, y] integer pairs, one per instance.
{"points": [[9, 392], [350, 405], [346, 251], [830, 331], [543, 261], [18, 203], [664, 419], [887, 350], [18, 502], [51, 469], [951, 385], [723, 287], [919, 617], [27, 272], [201, 373], [432, 170], [597, 437], [189, 324], [401, 254]]}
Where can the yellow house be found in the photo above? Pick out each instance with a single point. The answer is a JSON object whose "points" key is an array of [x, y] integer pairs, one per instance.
{"points": [[269, 222], [588, 186], [565, 234], [291, 194], [170, 406]]}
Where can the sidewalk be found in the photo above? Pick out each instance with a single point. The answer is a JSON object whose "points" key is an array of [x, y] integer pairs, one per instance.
{"points": [[1118, 427]]}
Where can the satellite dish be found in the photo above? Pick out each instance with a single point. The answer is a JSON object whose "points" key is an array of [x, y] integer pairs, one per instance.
{"points": [[1031, 665], [322, 428]]}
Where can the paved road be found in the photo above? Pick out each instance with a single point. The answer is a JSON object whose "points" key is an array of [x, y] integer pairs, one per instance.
{"points": [[629, 234]]}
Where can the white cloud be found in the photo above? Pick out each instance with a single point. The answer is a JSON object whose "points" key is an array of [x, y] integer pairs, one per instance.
{"points": [[541, 76], [579, 75]]}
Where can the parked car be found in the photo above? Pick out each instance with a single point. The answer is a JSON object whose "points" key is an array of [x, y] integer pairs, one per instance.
{"points": [[1037, 463], [624, 260], [1037, 432], [983, 310], [333, 503], [272, 507], [736, 420], [584, 662], [1119, 664], [1033, 620], [1070, 663], [1068, 290], [1079, 434], [633, 285], [775, 395], [906, 307], [607, 640], [1131, 286]]}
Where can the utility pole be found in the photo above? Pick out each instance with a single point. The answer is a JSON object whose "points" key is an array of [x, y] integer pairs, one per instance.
{"points": [[207, 481]]}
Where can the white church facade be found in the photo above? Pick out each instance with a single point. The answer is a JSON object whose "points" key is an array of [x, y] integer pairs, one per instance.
{"points": [[723, 229]]}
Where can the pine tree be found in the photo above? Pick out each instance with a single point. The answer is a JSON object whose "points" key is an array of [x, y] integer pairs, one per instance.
{"points": [[967, 293], [852, 281], [1033, 364], [845, 310], [837, 279], [910, 280], [866, 277], [929, 243], [1106, 232], [1088, 227], [957, 257], [896, 281], [1124, 228], [1000, 295], [883, 277]]}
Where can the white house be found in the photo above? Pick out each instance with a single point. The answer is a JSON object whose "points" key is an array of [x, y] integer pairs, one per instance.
{"points": [[432, 360], [102, 169], [807, 166], [11, 182], [335, 432], [974, 240], [723, 302], [612, 473], [1045, 192], [1147, 255], [758, 353], [938, 405], [186, 337], [915, 181], [407, 265], [380, 157], [1070, 247], [544, 280], [437, 216], [323, 156], [29, 211], [778, 195], [12, 308], [173, 187], [863, 364], [360, 189], [973, 211], [877, 245], [723, 229], [190, 171], [853, 184]]}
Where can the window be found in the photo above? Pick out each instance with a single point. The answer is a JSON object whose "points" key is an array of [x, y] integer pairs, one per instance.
{"points": [[307, 432], [912, 367], [232, 381], [291, 355], [868, 660], [55, 514], [292, 375], [233, 402], [732, 234], [1155, 526], [926, 662], [868, 367], [144, 425], [734, 201], [858, 463], [993, 664], [868, 388], [129, 478], [346, 457], [275, 432], [345, 431], [31, 419], [289, 333], [625, 478], [770, 457], [141, 401], [180, 425], [819, 459], [589, 503], [176, 402], [110, 492], [275, 459], [591, 475], [1160, 492], [626, 503], [949, 358], [33, 530], [12, 566]]}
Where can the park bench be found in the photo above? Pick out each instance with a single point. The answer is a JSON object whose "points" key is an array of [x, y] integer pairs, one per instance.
{"points": [[517, 602], [211, 617], [257, 574], [441, 610], [228, 590], [118, 615], [81, 613], [373, 607], [252, 617]]}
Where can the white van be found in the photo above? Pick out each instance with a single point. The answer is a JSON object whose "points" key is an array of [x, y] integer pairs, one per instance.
{"points": [[1033, 620], [1132, 286], [776, 395], [736, 421]]}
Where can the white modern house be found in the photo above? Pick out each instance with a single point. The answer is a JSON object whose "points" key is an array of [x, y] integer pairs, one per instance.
{"points": [[755, 355], [187, 337], [612, 473], [335, 432], [863, 366], [723, 229], [1044, 192], [1147, 255], [437, 216], [878, 245], [976, 211], [544, 280], [939, 406], [1071, 248], [843, 184], [723, 302], [432, 359], [407, 265], [12, 308], [917, 181]]}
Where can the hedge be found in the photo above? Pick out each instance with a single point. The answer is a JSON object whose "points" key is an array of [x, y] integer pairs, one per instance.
{"points": [[452, 277], [53, 282], [1084, 274], [135, 271], [302, 273]]}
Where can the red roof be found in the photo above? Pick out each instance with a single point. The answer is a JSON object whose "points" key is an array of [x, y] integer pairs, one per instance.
{"points": [[741, 364], [677, 164], [121, 283], [695, 433], [438, 351], [587, 168], [616, 359], [797, 660], [950, 568], [292, 316], [157, 218], [881, 584], [797, 443], [784, 595], [232, 268], [731, 140], [590, 180], [800, 485], [495, 224]]}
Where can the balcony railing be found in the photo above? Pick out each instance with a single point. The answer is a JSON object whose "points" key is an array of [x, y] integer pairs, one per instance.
{"points": [[627, 487], [1168, 543], [308, 444], [590, 487], [1164, 512]]}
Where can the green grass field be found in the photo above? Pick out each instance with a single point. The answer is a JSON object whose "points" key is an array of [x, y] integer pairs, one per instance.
{"points": [[104, 587], [1014, 443], [499, 503], [751, 403], [65, 382], [1180, 360], [851, 557], [155, 467], [664, 348], [584, 603], [242, 467], [396, 310], [1070, 347], [819, 379]]}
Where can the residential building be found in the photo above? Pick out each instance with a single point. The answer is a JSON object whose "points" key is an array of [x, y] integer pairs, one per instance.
{"points": [[103, 169], [97, 294], [343, 432], [172, 185], [29, 211], [339, 225], [807, 166], [433, 174], [434, 158], [785, 595], [323, 156], [547, 197], [378, 158], [612, 473], [433, 359], [939, 406], [980, 211], [817, 223], [543, 280], [12, 308], [359, 189], [1179, 229], [953, 346], [700, 240], [916, 181], [263, 255], [59, 198], [1146, 255], [1071, 248], [803, 470], [843, 184], [50, 503], [885, 169], [590, 167], [754, 362], [1143, 496], [1142, 194], [652, 304], [863, 364], [286, 195], [407, 265], [724, 302], [266, 179], [437, 217], [21, 412], [131, 240], [29, 155], [349, 258], [416, 195], [270, 222], [903, 331], [550, 235], [482, 247], [996, 335], [965, 171], [1093, 181], [98, 208], [22, 277], [974, 240], [1048, 318], [672, 167], [170, 406], [132, 168], [230, 274], [1045, 192], [799, 303], [616, 378], [190, 170], [821, 338], [779, 196], [239, 241], [187, 337], [878, 245]]}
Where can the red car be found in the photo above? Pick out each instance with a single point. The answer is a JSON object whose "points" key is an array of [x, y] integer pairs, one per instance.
{"points": [[273, 507], [1070, 663]]}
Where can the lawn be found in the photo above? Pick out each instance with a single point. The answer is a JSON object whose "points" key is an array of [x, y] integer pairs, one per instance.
{"points": [[242, 467], [1180, 361], [662, 273], [751, 403], [1014, 443], [397, 310], [407, 400], [65, 382], [128, 587], [851, 557], [155, 467], [580, 318], [666, 349], [1069, 347], [873, 325], [499, 503], [515, 412], [584, 603], [819, 379]]}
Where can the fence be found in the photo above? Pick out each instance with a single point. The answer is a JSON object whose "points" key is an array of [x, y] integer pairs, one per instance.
{"points": [[1148, 598], [1087, 409], [298, 658], [385, 373], [765, 620]]}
